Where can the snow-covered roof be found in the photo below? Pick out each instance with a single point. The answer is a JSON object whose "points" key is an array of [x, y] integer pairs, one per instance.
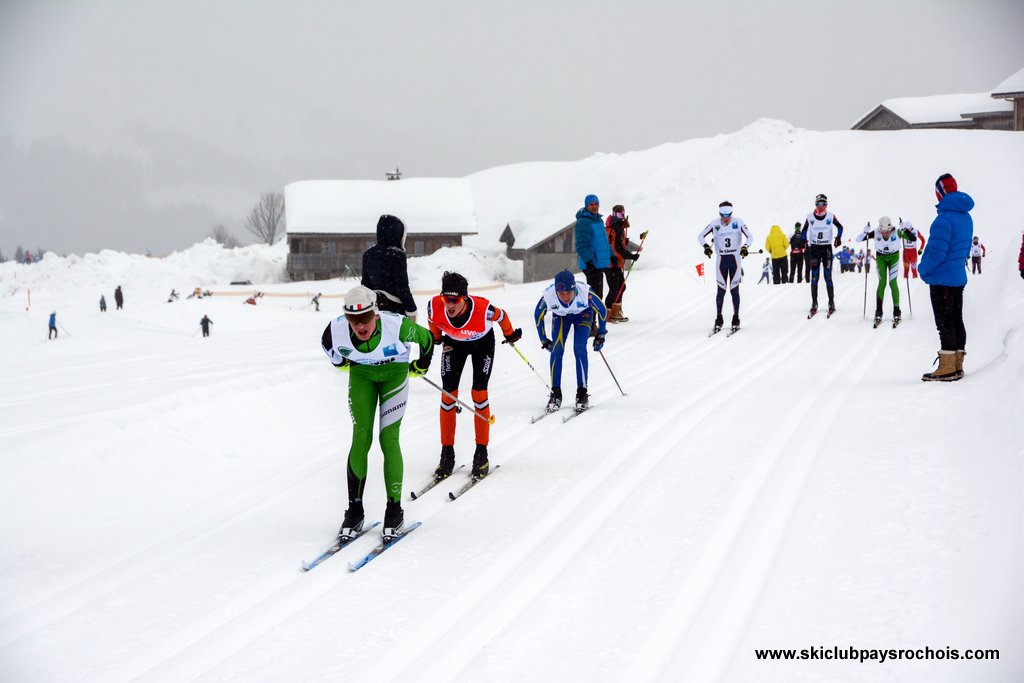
{"points": [[531, 231], [1013, 84], [425, 205], [944, 108]]}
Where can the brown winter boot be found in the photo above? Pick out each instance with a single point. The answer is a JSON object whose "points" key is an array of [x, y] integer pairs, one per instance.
{"points": [[960, 363], [946, 372], [615, 316]]}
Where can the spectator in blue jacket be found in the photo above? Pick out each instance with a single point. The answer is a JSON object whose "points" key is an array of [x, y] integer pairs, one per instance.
{"points": [[592, 250], [943, 268], [53, 326]]}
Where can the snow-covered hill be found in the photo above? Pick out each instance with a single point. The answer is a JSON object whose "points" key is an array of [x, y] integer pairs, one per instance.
{"points": [[793, 486]]}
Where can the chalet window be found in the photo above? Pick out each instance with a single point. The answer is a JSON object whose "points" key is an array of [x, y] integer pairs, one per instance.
{"points": [[332, 247], [559, 245], [418, 248], [295, 247]]}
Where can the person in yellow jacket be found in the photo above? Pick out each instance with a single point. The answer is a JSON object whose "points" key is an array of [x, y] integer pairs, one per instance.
{"points": [[776, 246]]}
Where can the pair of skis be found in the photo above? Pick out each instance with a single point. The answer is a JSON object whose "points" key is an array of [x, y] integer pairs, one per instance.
{"points": [[385, 545], [716, 330], [814, 311], [878, 321], [575, 413]]}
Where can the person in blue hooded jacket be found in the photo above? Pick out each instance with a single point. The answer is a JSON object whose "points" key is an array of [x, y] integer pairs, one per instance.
{"points": [[943, 268], [592, 249]]}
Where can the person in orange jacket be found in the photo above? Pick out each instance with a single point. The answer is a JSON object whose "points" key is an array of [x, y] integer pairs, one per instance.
{"points": [[463, 324], [617, 225]]}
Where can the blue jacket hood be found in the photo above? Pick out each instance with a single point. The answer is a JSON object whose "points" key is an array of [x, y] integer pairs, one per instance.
{"points": [[956, 201]]}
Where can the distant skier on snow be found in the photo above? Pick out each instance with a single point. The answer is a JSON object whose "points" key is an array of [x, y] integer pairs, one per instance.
{"points": [[817, 230], [464, 326], [798, 256], [572, 305], [911, 249], [119, 298], [887, 249], [977, 253], [732, 239], [53, 326], [205, 324]]}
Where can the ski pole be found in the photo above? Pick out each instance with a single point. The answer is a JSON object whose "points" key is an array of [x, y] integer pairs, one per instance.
{"points": [[488, 420], [865, 314], [611, 373], [197, 331], [64, 328], [525, 360], [622, 287], [910, 302]]}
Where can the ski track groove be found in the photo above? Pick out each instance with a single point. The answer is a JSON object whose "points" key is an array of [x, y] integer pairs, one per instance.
{"points": [[755, 514]]}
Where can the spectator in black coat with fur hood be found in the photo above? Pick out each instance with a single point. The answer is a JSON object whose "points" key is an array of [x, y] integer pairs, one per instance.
{"points": [[385, 269]]}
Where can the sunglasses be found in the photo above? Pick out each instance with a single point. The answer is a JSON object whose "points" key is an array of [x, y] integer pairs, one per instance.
{"points": [[821, 203]]}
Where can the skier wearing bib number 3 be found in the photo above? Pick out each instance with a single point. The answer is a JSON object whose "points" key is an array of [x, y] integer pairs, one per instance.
{"points": [[817, 230], [732, 239]]}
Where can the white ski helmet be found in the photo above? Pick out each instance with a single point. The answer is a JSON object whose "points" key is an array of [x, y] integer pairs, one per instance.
{"points": [[360, 300], [885, 224]]}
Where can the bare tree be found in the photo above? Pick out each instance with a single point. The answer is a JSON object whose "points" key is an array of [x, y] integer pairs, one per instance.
{"points": [[266, 218], [223, 236]]}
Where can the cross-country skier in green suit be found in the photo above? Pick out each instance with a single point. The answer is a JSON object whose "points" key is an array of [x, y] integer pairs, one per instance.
{"points": [[887, 250], [374, 348]]}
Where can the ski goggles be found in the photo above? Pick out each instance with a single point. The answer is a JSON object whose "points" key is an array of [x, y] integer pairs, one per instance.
{"points": [[725, 211], [452, 299], [821, 203]]}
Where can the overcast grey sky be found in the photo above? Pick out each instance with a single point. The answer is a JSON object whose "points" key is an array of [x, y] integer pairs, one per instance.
{"points": [[139, 124]]}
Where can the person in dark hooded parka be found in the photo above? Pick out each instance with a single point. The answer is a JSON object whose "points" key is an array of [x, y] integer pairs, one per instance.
{"points": [[385, 269]]}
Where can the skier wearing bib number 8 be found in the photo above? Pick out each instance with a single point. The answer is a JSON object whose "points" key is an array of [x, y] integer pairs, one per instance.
{"points": [[732, 239], [818, 228]]}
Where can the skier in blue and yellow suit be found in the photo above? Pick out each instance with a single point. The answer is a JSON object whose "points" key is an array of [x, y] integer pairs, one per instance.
{"points": [[572, 304]]}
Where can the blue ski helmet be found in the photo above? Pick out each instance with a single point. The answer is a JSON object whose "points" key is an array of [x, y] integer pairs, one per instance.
{"points": [[564, 281]]}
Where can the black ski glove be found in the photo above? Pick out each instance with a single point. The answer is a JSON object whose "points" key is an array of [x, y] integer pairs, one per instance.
{"points": [[837, 242], [599, 342], [545, 344], [516, 335], [635, 257], [707, 250], [743, 252]]}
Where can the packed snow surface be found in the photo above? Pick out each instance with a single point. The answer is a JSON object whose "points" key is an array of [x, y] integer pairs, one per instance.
{"points": [[793, 486]]}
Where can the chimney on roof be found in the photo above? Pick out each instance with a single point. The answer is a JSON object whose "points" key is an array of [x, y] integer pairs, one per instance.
{"points": [[393, 175]]}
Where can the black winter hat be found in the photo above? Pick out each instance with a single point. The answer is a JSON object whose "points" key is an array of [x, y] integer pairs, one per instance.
{"points": [[453, 284]]}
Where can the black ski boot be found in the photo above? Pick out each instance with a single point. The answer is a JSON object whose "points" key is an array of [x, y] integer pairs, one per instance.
{"points": [[353, 522], [582, 399], [831, 300], [735, 321], [719, 322], [447, 464], [555, 400], [480, 465], [878, 313], [896, 314], [394, 521]]}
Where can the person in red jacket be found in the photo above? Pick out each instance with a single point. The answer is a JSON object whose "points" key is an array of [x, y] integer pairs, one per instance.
{"points": [[1020, 259], [463, 324], [616, 226], [911, 237]]}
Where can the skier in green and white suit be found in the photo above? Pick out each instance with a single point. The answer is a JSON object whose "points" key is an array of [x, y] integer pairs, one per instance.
{"points": [[887, 255], [374, 348]]}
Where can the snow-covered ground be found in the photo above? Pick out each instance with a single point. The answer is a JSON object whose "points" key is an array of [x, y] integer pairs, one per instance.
{"points": [[793, 486]]}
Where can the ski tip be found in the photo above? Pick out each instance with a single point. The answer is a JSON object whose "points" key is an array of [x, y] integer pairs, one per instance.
{"points": [[412, 494], [452, 496]]}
